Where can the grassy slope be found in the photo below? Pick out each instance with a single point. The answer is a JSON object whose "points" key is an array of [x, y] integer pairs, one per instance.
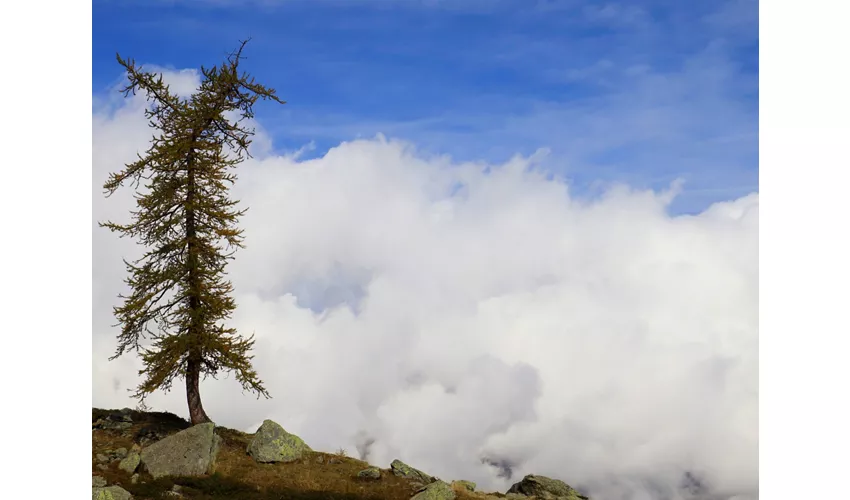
{"points": [[314, 477]]}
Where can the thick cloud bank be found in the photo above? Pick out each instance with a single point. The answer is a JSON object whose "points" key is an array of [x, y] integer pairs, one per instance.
{"points": [[475, 320]]}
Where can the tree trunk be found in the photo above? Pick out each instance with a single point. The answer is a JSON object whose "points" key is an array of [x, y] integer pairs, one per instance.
{"points": [[197, 415]]}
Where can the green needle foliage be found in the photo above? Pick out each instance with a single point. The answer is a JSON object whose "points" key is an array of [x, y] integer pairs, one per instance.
{"points": [[187, 223]]}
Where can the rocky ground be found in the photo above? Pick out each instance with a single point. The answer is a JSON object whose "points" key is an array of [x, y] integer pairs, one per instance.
{"points": [[146, 455]]}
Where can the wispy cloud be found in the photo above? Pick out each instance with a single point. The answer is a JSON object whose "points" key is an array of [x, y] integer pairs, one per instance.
{"points": [[649, 126], [626, 14]]}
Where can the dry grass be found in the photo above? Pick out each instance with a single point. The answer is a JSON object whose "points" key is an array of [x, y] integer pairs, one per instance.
{"points": [[316, 476], [314, 472]]}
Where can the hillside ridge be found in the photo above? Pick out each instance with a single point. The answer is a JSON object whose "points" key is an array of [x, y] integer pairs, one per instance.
{"points": [[122, 442]]}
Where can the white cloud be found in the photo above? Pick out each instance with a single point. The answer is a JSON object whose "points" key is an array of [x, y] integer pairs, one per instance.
{"points": [[605, 343]]}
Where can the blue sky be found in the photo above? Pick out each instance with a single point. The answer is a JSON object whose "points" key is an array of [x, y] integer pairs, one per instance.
{"points": [[636, 92]]}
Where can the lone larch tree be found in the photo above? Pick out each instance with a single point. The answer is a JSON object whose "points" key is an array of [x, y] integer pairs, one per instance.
{"points": [[179, 296]]}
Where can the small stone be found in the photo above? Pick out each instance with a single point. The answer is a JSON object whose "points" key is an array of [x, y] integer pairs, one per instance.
{"points": [[120, 452], [320, 459], [102, 467], [334, 460], [98, 482], [371, 473], [134, 478], [468, 485], [102, 458], [176, 491]]}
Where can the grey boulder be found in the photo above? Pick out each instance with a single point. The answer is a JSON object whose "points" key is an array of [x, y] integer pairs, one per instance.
{"points": [[438, 490], [401, 469], [110, 493], [190, 452], [545, 488], [130, 463], [271, 443]]}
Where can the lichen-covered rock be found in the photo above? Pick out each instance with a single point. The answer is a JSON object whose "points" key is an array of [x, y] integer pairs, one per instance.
{"points": [[119, 453], [468, 485], [115, 420], [98, 482], [190, 452], [271, 443], [401, 469], [437, 490], [130, 463], [149, 434], [545, 488], [370, 473], [124, 415], [111, 425], [102, 458], [110, 493]]}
